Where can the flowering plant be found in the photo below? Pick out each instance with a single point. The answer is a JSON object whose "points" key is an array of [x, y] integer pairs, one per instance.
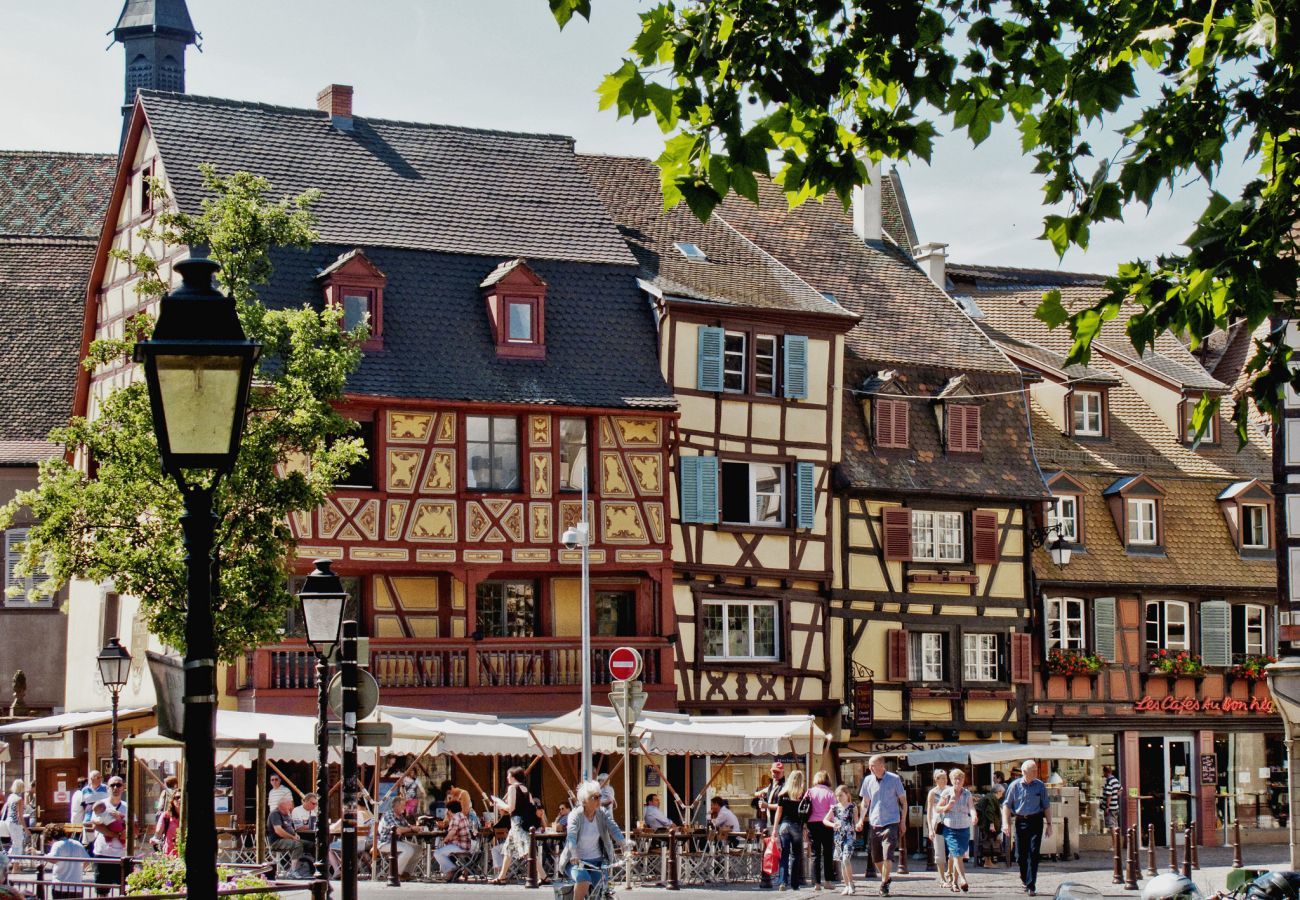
{"points": [[166, 875], [1177, 662], [1072, 662], [1252, 667]]}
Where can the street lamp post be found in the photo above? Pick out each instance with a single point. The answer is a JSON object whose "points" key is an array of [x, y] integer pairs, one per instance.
{"points": [[580, 536], [198, 366], [1284, 686], [114, 667], [323, 601]]}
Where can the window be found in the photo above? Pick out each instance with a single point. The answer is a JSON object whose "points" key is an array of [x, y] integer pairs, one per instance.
{"points": [[492, 453], [937, 536], [753, 494], [891, 424], [573, 454], [1167, 625], [506, 609], [362, 472], [1249, 636], [740, 629], [1141, 521], [357, 309], [146, 192], [963, 428], [1086, 409], [980, 657], [690, 251], [1189, 427], [515, 299], [615, 613], [355, 285], [1254, 527], [733, 363], [765, 365], [1064, 625], [110, 617], [18, 589], [1064, 511], [925, 655], [520, 320]]}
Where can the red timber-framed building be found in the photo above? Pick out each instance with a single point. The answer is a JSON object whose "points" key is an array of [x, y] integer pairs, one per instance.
{"points": [[510, 344]]}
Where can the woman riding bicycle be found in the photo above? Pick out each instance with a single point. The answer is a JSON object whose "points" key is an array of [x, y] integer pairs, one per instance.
{"points": [[589, 840]]}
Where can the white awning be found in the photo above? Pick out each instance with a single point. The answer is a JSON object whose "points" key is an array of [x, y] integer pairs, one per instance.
{"points": [[737, 735], [564, 733], [976, 754], [71, 721], [294, 739], [452, 732]]}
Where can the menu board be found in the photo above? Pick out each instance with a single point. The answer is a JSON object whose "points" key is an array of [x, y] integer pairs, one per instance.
{"points": [[1209, 768]]}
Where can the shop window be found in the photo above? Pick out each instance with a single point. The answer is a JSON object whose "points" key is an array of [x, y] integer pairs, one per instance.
{"points": [[1142, 522], [740, 629], [927, 656], [573, 453], [492, 453], [1064, 512], [1167, 625], [506, 609], [1249, 631], [1086, 408], [981, 655], [1065, 624], [937, 536]]}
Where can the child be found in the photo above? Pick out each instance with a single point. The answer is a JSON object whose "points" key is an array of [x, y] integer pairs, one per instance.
{"points": [[841, 818], [69, 868]]}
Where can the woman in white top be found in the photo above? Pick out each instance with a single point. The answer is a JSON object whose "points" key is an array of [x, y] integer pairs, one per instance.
{"points": [[957, 807], [932, 819], [13, 817]]}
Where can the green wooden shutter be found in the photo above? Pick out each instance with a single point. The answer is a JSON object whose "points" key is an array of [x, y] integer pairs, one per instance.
{"points": [[709, 359], [1103, 627], [1216, 632], [805, 509], [698, 476], [795, 381]]}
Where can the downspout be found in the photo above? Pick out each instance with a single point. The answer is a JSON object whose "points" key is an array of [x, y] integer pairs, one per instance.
{"points": [[1031, 580]]}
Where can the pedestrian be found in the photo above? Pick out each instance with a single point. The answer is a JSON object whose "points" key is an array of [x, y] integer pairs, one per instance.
{"points": [[1026, 802], [821, 837], [169, 822], [841, 820], [608, 799], [1111, 792], [765, 802], [281, 833], [518, 805], [109, 820], [792, 808], [411, 790], [589, 840], [884, 803], [70, 863], [459, 839], [83, 803], [277, 792], [988, 823], [958, 810], [932, 830], [13, 818]]}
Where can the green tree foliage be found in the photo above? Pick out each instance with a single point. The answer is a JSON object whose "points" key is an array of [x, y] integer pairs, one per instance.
{"points": [[803, 90], [123, 521]]}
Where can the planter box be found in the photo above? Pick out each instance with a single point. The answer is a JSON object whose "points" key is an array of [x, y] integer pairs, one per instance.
{"points": [[1083, 687], [1057, 688]]}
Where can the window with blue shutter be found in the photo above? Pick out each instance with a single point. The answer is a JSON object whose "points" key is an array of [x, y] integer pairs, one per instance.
{"points": [[709, 359], [805, 508], [698, 476], [796, 366], [1103, 620], [1216, 633]]}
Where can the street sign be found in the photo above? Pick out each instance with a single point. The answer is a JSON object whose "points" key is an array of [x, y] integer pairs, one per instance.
{"points": [[624, 663], [367, 693], [369, 734], [629, 696]]}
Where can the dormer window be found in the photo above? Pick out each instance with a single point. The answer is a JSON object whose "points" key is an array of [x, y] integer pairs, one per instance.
{"points": [[1248, 511], [891, 423], [1141, 522], [1254, 527], [1187, 410], [1137, 505], [515, 297], [1065, 509], [1088, 413], [355, 285], [963, 428]]}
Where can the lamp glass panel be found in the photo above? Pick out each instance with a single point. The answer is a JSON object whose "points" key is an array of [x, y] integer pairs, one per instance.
{"points": [[323, 616], [199, 398], [114, 668]]}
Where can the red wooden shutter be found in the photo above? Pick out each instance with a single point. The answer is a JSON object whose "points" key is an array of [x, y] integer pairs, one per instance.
{"points": [[963, 428], [1022, 666], [971, 441], [896, 658], [897, 533], [985, 540], [884, 423], [901, 408]]}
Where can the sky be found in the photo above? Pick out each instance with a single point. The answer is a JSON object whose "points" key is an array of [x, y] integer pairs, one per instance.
{"points": [[500, 64]]}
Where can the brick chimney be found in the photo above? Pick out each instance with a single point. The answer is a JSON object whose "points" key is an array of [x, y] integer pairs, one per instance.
{"points": [[336, 99]]}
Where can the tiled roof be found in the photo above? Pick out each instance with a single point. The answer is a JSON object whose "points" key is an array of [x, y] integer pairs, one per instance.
{"points": [[894, 213], [600, 336], [1041, 357], [735, 272], [396, 184], [54, 194], [984, 277], [1225, 355], [42, 298]]}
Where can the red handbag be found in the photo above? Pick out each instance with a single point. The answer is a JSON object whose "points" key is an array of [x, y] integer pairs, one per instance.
{"points": [[771, 857]]}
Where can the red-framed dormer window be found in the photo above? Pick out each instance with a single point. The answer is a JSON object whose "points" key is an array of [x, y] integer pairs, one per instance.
{"points": [[515, 298], [355, 285]]}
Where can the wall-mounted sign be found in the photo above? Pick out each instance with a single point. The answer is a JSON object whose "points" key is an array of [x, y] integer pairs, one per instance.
{"points": [[864, 710], [1209, 768], [1172, 704]]}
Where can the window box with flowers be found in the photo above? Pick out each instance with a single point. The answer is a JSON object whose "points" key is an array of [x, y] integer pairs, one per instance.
{"points": [[1251, 669], [1175, 664], [1071, 673]]}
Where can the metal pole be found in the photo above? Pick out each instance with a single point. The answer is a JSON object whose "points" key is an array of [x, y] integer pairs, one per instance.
{"points": [[348, 668], [198, 526], [322, 773], [627, 779], [1293, 790], [584, 529], [114, 764]]}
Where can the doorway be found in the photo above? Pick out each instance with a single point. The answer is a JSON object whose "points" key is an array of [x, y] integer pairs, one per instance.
{"points": [[1166, 780], [615, 613]]}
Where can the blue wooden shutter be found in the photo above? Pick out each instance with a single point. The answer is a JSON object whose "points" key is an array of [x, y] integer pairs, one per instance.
{"points": [[1216, 626], [709, 359], [1103, 627], [699, 484], [805, 509], [796, 366]]}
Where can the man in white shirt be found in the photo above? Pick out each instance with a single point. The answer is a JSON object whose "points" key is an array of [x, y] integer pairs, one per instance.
{"points": [[652, 815], [607, 797], [110, 836], [721, 816], [83, 801], [304, 815], [70, 863], [277, 792]]}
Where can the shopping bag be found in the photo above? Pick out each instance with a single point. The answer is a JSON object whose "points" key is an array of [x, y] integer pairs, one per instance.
{"points": [[771, 857]]}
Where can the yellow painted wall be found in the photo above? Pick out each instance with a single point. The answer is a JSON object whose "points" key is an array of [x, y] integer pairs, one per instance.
{"points": [[566, 594]]}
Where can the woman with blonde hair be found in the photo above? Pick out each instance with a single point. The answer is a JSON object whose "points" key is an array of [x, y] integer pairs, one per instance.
{"points": [[933, 832], [957, 808], [13, 819], [793, 806]]}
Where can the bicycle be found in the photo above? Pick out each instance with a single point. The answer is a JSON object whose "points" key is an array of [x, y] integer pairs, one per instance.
{"points": [[602, 889]]}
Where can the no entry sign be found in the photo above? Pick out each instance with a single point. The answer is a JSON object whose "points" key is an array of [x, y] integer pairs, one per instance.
{"points": [[624, 663]]}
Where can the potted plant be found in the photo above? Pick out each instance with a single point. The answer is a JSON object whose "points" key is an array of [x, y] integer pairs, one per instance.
{"points": [[1251, 668], [1077, 668], [1175, 664]]}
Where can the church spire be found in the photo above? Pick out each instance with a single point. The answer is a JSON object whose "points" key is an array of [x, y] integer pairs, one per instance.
{"points": [[155, 33]]}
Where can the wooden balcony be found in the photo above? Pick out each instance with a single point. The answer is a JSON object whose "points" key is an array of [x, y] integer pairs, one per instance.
{"points": [[496, 675]]}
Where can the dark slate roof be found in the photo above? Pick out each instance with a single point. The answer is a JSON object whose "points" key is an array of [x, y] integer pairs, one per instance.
{"points": [[54, 194], [736, 272], [396, 184], [42, 299], [999, 276], [895, 215], [600, 335], [155, 15]]}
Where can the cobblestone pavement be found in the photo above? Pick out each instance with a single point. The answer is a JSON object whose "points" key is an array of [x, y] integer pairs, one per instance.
{"points": [[1091, 868]]}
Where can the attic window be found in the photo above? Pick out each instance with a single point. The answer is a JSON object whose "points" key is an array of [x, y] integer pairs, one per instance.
{"points": [[1248, 510], [830, 298], [1187, 410], [968, 305], [891, 424], [355, 285], [515, 297], [963, 428], [691, 251]]}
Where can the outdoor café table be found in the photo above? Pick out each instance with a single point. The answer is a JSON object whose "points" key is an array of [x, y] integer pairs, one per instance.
{"points": [[429, 839], [543, 845]]}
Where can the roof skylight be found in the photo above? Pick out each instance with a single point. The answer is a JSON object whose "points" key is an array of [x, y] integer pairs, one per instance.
{"points": [[691, 251]]}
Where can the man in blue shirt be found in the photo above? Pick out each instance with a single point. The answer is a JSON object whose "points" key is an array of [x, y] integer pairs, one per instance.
{"points": [[1027, 803], [884, 801]]}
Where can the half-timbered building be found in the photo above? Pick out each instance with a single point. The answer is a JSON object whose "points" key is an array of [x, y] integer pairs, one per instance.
{"points": [[1150, 638]]}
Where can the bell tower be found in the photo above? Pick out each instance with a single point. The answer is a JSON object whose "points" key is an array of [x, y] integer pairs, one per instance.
{"points": [[155, 34]]}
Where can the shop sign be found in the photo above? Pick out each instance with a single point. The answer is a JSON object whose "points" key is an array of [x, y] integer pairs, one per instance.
{"points": [[864, 709], [1171, 704], [1209, 768]]}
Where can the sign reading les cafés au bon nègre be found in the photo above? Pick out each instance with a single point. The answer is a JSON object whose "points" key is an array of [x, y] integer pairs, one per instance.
{"points": [[1171, 704]]}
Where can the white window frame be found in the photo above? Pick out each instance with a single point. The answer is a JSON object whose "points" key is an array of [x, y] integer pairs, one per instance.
{"points": [[1248, 510], [980, 658], [565, 481], [1086, 411], [733, 361], [1255, 648], [753, 493], [930, 527], [724, 608], [1069, 522], [925, 656], [766, 385], [14, 539], [1162, 622], [1138, 522], [1068, 614]]}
